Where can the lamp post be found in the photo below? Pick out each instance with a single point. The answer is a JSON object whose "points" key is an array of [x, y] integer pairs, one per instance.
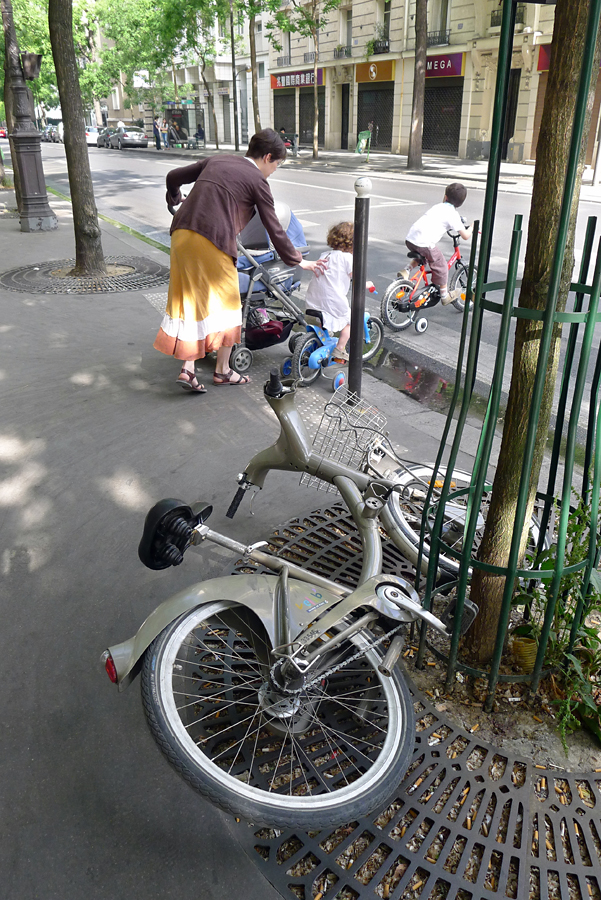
{"points": [[234, 85], [35, 213]]}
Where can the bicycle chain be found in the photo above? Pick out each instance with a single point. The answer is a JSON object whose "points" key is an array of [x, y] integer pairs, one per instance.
{"points": [[351, 659]]}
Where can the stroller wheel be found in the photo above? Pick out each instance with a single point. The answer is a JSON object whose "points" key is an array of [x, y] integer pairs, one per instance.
{"points": [[286, 367], [241, 359]]}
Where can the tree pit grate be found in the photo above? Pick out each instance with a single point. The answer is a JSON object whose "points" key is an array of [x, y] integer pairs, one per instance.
{"points": [[130, 273], [468, 822]]}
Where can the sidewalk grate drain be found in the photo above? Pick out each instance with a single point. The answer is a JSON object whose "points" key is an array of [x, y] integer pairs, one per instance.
{"points": [[468, 822], [130, 273]]}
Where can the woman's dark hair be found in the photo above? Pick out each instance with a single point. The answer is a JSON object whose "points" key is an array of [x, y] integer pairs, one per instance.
{"points": [[340, 237], [264, 142], [456, 194]]}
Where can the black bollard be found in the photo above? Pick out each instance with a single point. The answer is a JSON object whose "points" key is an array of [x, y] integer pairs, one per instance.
{"points": [[363, 188]]}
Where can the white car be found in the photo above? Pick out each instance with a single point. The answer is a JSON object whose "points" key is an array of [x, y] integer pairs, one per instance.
{"points": [[91, 135]]}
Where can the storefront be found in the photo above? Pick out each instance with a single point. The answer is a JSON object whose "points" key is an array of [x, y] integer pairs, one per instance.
{"points": [[375, 101], [443, 102], [544, 56], [293, 103]]}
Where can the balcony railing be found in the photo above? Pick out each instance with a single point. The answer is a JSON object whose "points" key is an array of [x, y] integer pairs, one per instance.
{"points": [[382, 46], [438, 38], [343, 52], [309, 57], [496, 16], [283, 60]]}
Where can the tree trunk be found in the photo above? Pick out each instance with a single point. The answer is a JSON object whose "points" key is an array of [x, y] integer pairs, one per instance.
{"points": [[315, 98], [551, 161], [253, 66], [8, 111], [414, 156], [89, 258], [211, 104]]}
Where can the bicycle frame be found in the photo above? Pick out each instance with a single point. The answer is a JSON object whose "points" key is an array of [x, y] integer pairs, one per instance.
{"points": [[329, 342], [289, 603], [422, 273]]}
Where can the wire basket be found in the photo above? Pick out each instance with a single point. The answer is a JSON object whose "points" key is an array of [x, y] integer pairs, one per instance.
{"points": [[349, 429]]}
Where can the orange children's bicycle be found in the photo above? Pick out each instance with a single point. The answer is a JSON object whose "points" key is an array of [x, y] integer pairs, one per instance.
{"points": [[406, 298]]}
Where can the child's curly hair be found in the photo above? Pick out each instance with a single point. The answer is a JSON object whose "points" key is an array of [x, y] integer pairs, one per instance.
{"points": [[340, 237]]}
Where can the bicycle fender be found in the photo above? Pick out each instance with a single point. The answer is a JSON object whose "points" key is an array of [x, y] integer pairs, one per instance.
{"points": [[256, 592]]}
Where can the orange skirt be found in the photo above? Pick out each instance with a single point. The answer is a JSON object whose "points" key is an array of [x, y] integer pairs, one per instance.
{"points": [[204, 311]]}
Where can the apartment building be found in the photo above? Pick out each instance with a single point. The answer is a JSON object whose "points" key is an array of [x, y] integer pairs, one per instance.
{"points": [[365, 71]]}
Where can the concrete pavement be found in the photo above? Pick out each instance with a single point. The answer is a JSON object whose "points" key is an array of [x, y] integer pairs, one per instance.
{"points": [[94, 430]]}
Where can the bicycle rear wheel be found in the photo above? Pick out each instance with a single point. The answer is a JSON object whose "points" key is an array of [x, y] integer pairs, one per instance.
{"points": [[320, 757], [394, 308]]}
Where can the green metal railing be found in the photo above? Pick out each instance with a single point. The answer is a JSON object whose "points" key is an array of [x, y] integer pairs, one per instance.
{"points": [[582, 325]]}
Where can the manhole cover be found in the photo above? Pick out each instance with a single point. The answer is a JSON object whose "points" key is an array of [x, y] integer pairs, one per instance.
{"points": [[124, 273], [468, 822]]}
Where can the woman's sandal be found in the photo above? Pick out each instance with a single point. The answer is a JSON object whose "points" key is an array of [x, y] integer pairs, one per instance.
{"points": [[189, 384], [226, 378]]}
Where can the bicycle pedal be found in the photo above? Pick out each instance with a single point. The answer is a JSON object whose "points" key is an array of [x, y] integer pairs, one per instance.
{"points": [[470, 611]]}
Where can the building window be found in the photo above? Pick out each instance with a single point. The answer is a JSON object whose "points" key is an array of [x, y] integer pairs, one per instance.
{"points": [[258, 26], [261, 70], [386, 19], [349, 28]]}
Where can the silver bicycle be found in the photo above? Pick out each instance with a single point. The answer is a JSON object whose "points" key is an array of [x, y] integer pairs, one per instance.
{"points": [[276, 693]]}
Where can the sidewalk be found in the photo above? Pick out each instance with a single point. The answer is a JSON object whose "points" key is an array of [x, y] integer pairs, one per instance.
{"points": [[94, 431]]}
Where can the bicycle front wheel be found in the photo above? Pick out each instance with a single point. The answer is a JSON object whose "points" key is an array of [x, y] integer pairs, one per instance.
{"points": [[376, 338], [459, 280], [319, 757], [394, 308], [303, 348]]}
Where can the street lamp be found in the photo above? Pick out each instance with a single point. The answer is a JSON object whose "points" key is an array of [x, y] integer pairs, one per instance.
{"points": [[34, 213]]}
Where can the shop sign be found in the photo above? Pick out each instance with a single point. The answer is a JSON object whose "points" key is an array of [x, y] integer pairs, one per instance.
{"points": [[296, 79], [449, 64], [375, 71], [223, 91]]}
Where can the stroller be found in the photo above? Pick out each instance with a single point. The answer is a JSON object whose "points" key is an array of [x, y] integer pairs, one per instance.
{"points": [[266, 286]]}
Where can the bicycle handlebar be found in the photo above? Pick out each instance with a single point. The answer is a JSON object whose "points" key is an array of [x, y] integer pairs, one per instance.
{"points": [[233, 507]]}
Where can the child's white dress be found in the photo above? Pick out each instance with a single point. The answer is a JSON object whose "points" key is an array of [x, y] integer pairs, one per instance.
{"points": [[328, 291]]}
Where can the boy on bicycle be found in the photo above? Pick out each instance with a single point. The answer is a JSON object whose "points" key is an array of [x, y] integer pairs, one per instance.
{"points": [[424, 235]]}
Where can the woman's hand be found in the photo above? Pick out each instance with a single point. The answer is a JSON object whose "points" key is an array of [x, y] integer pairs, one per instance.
{"points": [[317, 266]]}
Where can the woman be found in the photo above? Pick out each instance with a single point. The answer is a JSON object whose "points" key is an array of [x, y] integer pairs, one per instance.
{"points": [[164, 130], [204, 313]]}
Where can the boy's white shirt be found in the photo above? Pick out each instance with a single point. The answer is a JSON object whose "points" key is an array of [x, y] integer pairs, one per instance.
{"points": [[430, 227], [328, 291]]}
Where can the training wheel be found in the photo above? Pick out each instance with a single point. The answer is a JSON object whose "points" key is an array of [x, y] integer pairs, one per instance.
{"points": [[286, 367], [421, 325], [338, 380]]}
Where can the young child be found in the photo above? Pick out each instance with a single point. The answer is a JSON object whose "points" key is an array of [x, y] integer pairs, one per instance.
{"points": [[424, 235], [329, 286]]}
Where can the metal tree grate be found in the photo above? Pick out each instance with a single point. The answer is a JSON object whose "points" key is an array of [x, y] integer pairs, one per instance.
{"points": [[348, 430], [49, 278], [468, 822]]}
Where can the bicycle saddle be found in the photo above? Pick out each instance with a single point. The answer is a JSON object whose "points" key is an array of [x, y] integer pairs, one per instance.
{"points": [[316, 314], [413, 254]]}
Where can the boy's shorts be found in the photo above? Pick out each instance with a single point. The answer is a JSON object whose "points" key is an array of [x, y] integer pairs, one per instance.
{"points": [[438, 264]]}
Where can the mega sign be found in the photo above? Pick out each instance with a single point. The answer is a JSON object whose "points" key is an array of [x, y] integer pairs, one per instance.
{"points": [[297, 79], [451, 64]]}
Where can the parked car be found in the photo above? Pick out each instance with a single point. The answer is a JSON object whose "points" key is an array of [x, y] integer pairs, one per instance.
{"points": [[3, 132], [50, 133], [91, 135], [102, 138], [128, 136]]}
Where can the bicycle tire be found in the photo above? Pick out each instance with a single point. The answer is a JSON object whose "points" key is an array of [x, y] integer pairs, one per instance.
{"points": [[303, 348], [295, 784], [392, 316], [376, 333], [459, 278]]}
